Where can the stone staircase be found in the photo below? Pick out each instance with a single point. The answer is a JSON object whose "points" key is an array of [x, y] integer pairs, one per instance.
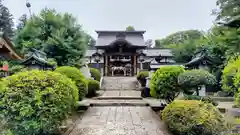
{"points": [[120, 91], [119, 83]]}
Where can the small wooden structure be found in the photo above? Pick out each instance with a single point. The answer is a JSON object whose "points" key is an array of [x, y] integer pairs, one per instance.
{"points": [[7, 49], [7, 53], [37, 60], [200, 61]]}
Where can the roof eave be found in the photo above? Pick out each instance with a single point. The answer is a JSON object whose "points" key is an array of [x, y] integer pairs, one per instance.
{"points": [[120, 31]]}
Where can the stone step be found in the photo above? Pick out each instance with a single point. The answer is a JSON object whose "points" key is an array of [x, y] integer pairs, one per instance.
{"points": [[119, 83], [119, 98], [118, 103], [155, 104]]}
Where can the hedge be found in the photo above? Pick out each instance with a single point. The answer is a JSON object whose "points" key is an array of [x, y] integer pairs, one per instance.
{"points": [[95, 73], [93, 86], [35, 102], [229, 72], [164, 82], [77, 76], [141, 77], [192, 117]]}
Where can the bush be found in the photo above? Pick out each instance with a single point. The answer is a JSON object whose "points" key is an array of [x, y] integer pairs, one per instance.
{"points": [[192, 117], [164, 82], [95, 73], [221, 94], [141, 77], [195, 78], [35, 102], [77, 76], [237, 85], [204, 99], [229, 72], [93, 86]]}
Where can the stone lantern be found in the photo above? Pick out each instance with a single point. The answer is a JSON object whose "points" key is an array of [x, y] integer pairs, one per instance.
{"points": [[97, 57], [141, 59]]}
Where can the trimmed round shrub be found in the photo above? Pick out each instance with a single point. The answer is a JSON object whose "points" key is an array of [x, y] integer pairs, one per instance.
{"points": [[192, 117], [164, 82], [77, 76], [95, 73], [229, 72], [93, 86], [141, 77], [195, 78], [36, 102]]}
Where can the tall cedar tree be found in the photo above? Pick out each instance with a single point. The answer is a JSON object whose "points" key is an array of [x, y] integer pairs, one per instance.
{"points": [[6, 21]]}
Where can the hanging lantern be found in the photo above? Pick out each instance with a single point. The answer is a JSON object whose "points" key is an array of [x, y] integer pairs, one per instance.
{"points": [[5, 67]]}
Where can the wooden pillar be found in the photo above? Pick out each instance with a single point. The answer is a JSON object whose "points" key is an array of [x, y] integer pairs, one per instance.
{"points": [[106, 65], [134, 64]]}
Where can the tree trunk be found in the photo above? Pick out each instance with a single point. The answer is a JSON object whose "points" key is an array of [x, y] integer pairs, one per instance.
{"points": [[197, 91]]}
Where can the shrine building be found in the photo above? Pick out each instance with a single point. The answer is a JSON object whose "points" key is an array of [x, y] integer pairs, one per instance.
{"points": [[124, 53]]}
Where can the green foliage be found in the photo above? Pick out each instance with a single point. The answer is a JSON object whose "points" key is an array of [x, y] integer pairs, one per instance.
{"points": [[164, 82], [178, 38], [229, 72], [192, 117], [16, 68], [227, 10], [22, 22], [141, 77], [130, 28], [184, 52], [95, 73], [36, 102], [204, 99], [6, 21], [196, 77], [236, 82], [93, 86], [221, 94], [77, 76], [56, 34], [52, 61]]}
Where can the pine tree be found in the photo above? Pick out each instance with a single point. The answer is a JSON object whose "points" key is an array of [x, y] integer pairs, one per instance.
{"points": [[6, 21], [227, 10]]}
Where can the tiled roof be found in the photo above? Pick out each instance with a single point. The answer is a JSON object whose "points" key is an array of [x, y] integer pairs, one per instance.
{"points": [[134, 38], [157, 51], [90, 52], [150, 52]]}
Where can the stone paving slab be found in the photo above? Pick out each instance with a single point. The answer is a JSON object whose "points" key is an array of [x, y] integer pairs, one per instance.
{"points": [[119, 121], [118, 103], [120, 98], [115, 93]]}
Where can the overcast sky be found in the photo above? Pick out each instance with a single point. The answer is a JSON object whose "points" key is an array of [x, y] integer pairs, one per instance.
{"points": [[158, 17]]}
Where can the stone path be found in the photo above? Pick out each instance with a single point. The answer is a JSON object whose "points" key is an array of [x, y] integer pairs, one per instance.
{"points": [[119, 112], [119, 121]]}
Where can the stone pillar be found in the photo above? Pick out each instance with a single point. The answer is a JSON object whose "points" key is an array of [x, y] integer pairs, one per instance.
{"points": [[106, 65], [202, 91], [134, 64]]}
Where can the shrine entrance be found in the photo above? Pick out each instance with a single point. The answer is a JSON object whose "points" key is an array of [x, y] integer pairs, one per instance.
{"points": [[121, 65], [120, 59]]}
